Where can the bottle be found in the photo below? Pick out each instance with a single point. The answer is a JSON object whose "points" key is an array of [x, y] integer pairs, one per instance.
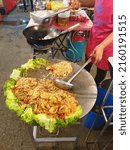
{"points": [[63, 18], [38, 5], [48, 5]]}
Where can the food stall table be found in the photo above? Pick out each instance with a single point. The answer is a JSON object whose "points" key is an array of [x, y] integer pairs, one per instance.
{"points": [[84, 27], [59, 43]]}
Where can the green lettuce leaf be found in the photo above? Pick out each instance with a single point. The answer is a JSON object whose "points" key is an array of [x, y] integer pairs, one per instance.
{"points": [[48, 123], [34, 63], [10, 95], [70, 119], [17, 73], [75, 116], [51, 124], [61, 123], [8, 85], [12, 104], [40, 61], [28, 116]]}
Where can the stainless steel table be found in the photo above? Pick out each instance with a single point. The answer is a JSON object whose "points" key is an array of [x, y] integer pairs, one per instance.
{"points": [[108, 121]]}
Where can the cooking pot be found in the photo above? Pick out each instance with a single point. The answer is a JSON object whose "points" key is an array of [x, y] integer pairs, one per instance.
{"points": [[44, 34]]}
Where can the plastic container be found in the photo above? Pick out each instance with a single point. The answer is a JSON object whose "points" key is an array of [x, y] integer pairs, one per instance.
{"points": [[48, 5], [20, 6], [76, 47], [90, 117], [63, 18]]}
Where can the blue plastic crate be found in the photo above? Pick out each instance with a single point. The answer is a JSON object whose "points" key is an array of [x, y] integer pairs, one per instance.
{"points": [[90, 117]]}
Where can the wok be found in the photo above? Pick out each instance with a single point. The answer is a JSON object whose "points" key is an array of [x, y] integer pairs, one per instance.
{"points": [[44, 34]]}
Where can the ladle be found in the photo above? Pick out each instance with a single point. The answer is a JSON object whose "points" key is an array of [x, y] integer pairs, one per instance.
{"points": [[68, 85]]}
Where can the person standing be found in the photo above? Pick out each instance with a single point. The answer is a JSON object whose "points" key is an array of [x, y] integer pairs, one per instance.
{"points": [[100, 43]]}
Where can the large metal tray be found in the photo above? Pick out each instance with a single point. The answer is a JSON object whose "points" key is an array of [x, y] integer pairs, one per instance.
{"points": [[84, 85]]}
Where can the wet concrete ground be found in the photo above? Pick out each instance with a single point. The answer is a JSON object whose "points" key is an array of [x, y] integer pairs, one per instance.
{"points": [[14, 133]]}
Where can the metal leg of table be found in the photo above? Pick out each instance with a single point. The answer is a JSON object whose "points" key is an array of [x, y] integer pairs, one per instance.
{"points": [[78, 136], [104, 100], [108, 121], [52, 139], [34, 54], [24, 4], [31, 2], [102, 131], [62, 40], [107, 93], [90, 131], [110, 141], [60, 45]]}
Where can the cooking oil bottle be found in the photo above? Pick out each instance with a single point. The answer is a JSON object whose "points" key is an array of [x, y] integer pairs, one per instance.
{"points": [[48, 4]]}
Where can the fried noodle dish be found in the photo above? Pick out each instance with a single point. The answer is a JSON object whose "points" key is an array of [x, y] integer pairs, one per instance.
{"points": [[61, 69], [32, 94], [45, 97]]}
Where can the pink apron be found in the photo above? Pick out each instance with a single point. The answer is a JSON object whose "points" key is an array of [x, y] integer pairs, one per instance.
{"points": [[102, 27]]}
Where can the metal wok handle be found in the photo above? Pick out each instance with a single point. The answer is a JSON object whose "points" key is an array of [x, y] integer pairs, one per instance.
{"points": [[56, 13], [70, 28], [87, 62]]}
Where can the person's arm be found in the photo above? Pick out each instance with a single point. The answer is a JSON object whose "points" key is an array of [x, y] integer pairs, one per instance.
{"points": [[87, 3], [98, 51]]}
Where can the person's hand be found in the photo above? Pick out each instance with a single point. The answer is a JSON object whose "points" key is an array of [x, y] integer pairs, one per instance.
{"points": [[97, 54]]}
